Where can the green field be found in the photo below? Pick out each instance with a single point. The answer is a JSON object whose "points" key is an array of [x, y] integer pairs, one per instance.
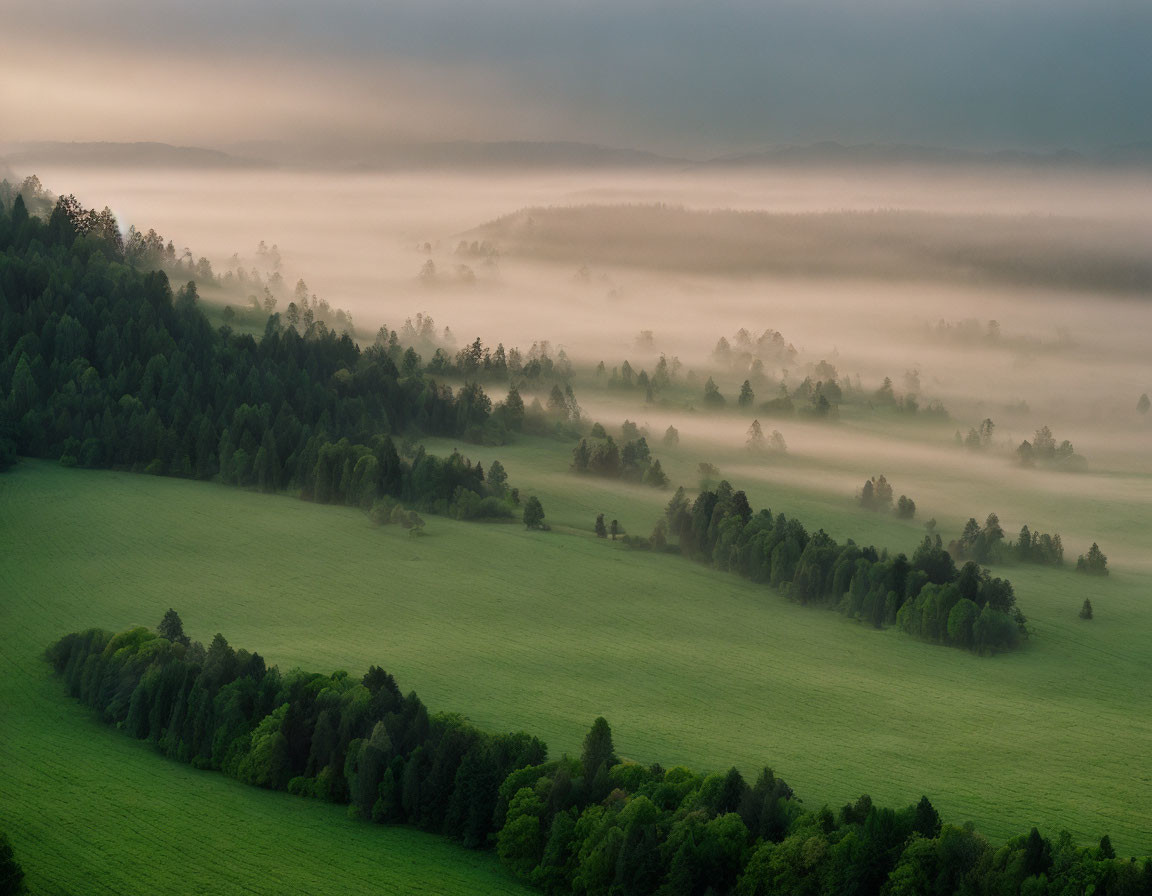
{"points": [[539, 631], [91, 811]]}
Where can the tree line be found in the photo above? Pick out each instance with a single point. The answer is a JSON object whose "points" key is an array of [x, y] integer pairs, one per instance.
{"points": [[920, 594], [355, 741], [592, 824], [986, 544], [104, 366]]}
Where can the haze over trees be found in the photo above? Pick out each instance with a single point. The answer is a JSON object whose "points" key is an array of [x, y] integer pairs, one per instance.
{"points": [[286, 405], [1094, 562], [1068, 252], [111, 369], [633, 462]]}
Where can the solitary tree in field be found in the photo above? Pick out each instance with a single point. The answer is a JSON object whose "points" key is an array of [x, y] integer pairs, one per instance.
{"points": [[534, 513], [1143, 404], [172, 628], [614, 528], [1086, 610], [601, 529], [671, 437]]}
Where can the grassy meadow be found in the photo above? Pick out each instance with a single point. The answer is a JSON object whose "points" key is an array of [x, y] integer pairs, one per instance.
{"points": [[89, 810], [543, 632]]}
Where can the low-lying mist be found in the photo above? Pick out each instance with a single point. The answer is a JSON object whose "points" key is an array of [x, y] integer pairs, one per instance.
{"points": [[972, 301]]}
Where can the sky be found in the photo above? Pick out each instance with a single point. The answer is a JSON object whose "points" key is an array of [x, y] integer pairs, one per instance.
{"points": [[679, 78]]}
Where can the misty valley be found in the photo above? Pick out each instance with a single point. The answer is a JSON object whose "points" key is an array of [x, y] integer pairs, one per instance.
{"points": [[661, 484]]}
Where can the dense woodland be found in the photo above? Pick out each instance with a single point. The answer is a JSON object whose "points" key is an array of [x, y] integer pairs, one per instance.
{"points": [[592, 825], [927, 595], [104, 366]]}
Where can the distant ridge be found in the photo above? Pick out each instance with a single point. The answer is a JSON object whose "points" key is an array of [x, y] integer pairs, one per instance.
{"points": [[1037, 251], [880, 154], [511, 155], [460, 155], [146, 155]]}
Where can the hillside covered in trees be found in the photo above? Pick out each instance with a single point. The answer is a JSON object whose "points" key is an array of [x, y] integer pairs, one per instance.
{"points": [[105, 366]]}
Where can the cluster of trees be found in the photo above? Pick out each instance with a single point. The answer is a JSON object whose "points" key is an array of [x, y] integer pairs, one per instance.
{"points": [[876, 495], [655, 831], [751, 353], [432, 276], [977, 439], [1094, 562], [479, 362], [103, 366], [974, 611], [601, 456], [359, 742], [1038, 547], [985, 544], [475, 363], [603, 530], [389, 512], [594, 824], [816, 399], [819, 400], [37, 200], [759, 443], [909, 403], [1044, 451], [147, 250], [301, 314], [720, 528], [626, 377], [981, 544]]}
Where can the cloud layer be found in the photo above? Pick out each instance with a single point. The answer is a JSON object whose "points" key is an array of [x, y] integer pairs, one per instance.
{"points": [[671, 76]]}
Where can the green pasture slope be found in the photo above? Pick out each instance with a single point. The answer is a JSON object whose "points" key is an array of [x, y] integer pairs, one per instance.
{"points": [[536, 631], [91, 811]]}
